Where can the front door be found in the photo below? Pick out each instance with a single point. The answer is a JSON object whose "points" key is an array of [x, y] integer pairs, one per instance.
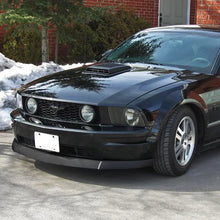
{"points": [[173, 12], [212, 100]]}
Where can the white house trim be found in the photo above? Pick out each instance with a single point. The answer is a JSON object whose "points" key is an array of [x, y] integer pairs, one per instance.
{"points": [[159, 14], [188, 11]]}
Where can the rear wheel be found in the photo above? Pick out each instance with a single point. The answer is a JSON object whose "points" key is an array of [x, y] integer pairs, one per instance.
{"points": [[177, 143]]}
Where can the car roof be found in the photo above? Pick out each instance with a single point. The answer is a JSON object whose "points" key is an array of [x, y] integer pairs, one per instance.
{"points": [[186, 28]]}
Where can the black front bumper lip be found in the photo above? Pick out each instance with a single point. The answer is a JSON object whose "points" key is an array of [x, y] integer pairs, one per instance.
{"points": [[78, 162]]}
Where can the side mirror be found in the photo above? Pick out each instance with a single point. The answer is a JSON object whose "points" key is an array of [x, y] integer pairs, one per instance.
{"points": [[107, 53]]}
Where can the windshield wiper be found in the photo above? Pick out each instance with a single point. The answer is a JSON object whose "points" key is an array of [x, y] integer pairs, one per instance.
{"points": [[158, 64]]}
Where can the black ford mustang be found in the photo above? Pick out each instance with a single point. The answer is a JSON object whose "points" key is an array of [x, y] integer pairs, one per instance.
{"points": [[155, 99]]}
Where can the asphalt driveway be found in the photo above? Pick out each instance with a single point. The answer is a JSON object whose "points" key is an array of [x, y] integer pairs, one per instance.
{"points": [[36, 190]]}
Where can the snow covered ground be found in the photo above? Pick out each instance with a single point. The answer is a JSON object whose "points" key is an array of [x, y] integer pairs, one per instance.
{"points": [[13, 75]]}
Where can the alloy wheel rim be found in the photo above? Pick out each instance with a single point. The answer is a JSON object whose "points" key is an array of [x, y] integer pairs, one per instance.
{"points": [[184, 141]]}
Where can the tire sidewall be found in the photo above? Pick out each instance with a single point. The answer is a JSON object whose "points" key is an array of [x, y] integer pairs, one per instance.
{"points": [[178, 169]]}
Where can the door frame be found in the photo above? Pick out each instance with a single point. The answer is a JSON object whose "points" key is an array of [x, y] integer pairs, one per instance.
{"points": [[188, 12]]}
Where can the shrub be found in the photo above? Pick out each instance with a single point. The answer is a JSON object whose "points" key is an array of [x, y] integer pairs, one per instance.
{"points": [[87, 41], [22, 47], [79, 44]]}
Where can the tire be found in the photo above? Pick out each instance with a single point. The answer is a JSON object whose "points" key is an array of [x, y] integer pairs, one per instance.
{"points": [[177, 143]]}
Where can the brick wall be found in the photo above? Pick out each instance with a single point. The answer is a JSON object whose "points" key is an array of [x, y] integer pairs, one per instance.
{"points": [[193, 12], [208, 12], [147, 9]]}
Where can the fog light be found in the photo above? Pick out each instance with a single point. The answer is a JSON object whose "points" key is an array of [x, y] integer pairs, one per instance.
{"points": [[87, 113], [31, 105]]}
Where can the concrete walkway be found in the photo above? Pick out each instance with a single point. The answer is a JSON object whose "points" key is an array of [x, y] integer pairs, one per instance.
{"points": [[35, 190]]}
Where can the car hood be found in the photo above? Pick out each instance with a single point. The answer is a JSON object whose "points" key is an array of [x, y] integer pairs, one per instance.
{"points": [[117, 89]]}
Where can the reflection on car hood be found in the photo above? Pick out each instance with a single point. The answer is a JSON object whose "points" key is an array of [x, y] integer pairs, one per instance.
{"points": [[119, 90]]}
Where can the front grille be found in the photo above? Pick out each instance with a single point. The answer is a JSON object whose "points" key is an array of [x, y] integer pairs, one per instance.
{"points": [[70, 151], [66, 111], [59, 111], [84, 152]]}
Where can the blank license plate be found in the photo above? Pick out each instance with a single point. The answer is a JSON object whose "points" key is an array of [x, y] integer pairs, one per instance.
{"points": [[46, 142]]}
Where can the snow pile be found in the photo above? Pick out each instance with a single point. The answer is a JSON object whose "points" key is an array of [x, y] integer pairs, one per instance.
{"points": [[5, 62], [13, 75]]}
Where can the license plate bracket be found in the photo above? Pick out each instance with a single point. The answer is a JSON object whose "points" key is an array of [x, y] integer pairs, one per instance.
{"points": [[47, 142]]}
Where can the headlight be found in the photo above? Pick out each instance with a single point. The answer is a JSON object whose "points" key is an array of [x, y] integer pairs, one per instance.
{"points": [[87, 113], [31, 105], [132, 117], [19, 101], [127, 116]]}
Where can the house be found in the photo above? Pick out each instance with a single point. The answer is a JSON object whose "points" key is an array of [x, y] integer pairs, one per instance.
{"points": [[170, 12], [161, 12]]}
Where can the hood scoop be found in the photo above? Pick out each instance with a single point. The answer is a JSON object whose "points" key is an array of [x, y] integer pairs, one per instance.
{"points": [[107, 69]]}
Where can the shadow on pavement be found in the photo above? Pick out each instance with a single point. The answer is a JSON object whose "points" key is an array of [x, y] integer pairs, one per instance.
{"points": [[204, 176]]}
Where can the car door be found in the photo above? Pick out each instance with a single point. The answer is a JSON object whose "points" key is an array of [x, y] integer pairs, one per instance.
{"points": [[211, 96]]}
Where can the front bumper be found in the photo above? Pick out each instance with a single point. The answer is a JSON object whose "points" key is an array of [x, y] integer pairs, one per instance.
{"points": [[77, 162], [112, 149]]}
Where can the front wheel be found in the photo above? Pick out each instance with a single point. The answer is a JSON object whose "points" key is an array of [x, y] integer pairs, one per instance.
{"points": [[177, 143]]}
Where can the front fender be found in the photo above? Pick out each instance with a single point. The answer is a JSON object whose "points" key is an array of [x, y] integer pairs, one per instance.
{"points": [[161, 103]]}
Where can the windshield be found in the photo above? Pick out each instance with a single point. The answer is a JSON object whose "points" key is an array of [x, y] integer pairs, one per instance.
{"points": [[192, 51]]}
